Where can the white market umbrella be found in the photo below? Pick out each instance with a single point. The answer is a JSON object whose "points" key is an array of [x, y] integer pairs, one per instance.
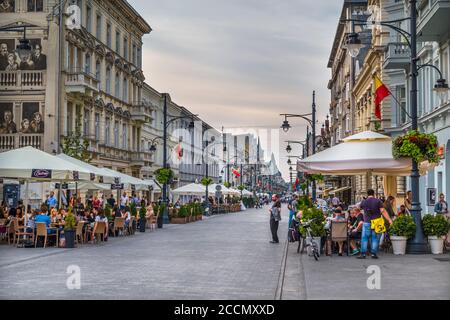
{"points": [[364, 152], [108, 177], [32, 164], [224, 190], [128, 181], [193, 189]]}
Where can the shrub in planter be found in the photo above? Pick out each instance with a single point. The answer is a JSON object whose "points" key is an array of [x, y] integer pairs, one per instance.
{"points": [[417, 146], [227, 184], [181, 216], [436, 228], [69, 229], [402, 229]]}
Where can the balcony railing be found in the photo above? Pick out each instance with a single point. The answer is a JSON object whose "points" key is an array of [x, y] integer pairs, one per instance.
{"points": [[79, 81], [141, 112], [22, 80], [397, 56], [141, 158], [19, 140]]}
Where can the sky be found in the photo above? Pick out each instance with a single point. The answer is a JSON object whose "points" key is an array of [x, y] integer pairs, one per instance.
{"points": [[240, 63]]}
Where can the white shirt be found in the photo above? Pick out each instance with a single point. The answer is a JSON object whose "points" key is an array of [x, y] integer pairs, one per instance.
{"points": [[123, 200]]}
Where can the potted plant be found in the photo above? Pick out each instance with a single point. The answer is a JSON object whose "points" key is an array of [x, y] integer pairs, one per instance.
{"points": [[180, 216], [436, 228], [227, 184], [142, 219], [402, 229], [69, 229]]}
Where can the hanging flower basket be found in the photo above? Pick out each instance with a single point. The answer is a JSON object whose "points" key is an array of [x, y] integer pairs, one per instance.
{"points": [[417, 146]]}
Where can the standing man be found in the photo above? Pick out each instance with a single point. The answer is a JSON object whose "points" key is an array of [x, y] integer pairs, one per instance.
{"points": [[52, 201], [275, 218], [111, 201], [373, 209], [124, 200], [335, 201]]}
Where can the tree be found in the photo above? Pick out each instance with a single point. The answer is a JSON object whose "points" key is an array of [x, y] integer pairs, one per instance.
{"points": [[74, 145]]}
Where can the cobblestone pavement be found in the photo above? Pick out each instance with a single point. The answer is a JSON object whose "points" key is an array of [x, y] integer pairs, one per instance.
{"points": [[223, 257]]}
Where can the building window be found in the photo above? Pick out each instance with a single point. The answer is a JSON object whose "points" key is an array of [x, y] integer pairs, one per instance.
{"points": [[86, 117], [98, 70], [108, 35], [117, 86], [134, 55], [108, 80], [124, 137], [87, 66], [34, 5], [125, 89], [116, 134], [118, 42], [97, 126], [125, 48], [88, 19], [69, 118], [401, 109], [107, 131], [139, 57], [98, 31]]}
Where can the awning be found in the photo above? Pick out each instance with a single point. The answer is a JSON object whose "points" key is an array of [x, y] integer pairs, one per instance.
{"points": [[340, 190]]}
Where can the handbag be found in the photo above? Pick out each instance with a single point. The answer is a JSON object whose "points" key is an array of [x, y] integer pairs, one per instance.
{"points": [[378, 225]]}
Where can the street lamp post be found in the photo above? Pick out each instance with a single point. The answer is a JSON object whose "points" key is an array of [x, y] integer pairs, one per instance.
{"points": [[166, 124], [312, 121], [417, 245]]}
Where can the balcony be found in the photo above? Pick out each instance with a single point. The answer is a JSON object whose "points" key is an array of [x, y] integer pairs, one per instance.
{"points": [[15, 141], [22, 80], [141, 112], [434, 21], [397, 56], [81, 82], [141, 159]]}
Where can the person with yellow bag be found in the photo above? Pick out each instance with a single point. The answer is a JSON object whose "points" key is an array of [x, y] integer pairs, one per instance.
{"points": [[374, 224]]}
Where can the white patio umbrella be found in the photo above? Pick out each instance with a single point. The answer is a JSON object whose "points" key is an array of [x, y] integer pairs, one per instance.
{"points": [[108, 177], [364, 152], [128, 181], [193, 189], [225, 191], [31, 164]]}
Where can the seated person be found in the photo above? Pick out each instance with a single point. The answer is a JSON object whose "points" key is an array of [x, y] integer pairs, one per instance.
{"points": [[338, 217], [355, 224], [127, 215], [44, 218], [102, 218], [31, 225]]}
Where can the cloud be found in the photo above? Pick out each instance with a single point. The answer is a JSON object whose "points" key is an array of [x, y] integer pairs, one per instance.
{"points": [[241, 62]]}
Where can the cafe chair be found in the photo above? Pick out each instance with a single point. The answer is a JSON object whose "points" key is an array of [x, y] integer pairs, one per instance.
{"points": [[339, 233], [41, 231], [119, 225], [99, 232], [79, 232]]}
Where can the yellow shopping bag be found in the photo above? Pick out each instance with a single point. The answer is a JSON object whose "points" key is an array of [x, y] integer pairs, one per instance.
{"points": [[378, 225]]}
